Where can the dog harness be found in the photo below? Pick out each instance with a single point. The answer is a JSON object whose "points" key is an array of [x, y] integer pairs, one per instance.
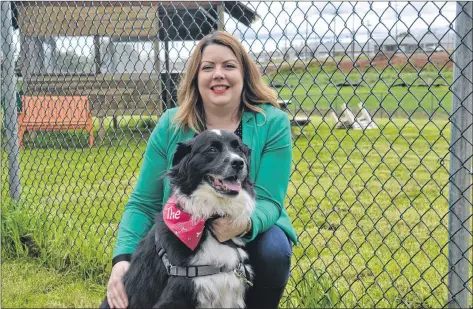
{"points": [[203, 270]]}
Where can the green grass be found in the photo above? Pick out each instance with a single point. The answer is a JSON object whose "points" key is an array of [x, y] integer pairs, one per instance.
{"points": [[314, 90], [370, 208], [28, 284]]}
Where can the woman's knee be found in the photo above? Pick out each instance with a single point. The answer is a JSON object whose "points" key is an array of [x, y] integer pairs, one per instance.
{"points": [[270, 255]]}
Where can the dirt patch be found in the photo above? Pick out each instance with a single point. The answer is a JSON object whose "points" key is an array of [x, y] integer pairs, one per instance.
{"points": [[381, 61]]}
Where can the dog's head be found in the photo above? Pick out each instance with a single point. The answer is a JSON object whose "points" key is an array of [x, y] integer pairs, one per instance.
{"points": [[212, 171]]}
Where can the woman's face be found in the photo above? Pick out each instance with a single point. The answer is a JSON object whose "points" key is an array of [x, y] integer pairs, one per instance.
{"points": [[220, 77]]}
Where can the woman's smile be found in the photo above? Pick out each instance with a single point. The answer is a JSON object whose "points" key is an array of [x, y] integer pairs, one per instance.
{"points": [[219, 89]]}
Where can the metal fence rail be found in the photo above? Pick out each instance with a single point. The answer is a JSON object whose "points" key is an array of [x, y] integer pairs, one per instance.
{"points": [[380, 100]]}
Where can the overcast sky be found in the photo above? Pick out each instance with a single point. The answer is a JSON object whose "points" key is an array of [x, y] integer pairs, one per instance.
{"points": [[319, 19], [285, 23]]}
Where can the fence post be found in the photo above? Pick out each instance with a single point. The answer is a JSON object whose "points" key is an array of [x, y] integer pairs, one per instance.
{"points": [[9, 96], [221, 16], [461, 152]]}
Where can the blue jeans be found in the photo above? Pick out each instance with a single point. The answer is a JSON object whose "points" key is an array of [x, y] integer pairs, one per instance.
{"points": [[270, 256]]}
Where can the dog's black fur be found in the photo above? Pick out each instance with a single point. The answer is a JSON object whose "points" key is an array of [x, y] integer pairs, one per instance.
{"points": [[147, 283]]}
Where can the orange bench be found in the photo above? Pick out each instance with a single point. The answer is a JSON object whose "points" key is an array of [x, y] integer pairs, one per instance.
{"points": [[55, 113]]}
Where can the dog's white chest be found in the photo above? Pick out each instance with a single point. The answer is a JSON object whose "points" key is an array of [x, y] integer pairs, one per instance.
{"points": [[224, 290], [220, 291]]}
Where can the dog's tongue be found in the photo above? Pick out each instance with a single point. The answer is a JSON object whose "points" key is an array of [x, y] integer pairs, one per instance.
{"points": [[232, 185]]}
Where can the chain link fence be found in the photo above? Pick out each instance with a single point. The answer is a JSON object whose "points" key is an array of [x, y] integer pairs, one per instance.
{"points": [[380, 100]]}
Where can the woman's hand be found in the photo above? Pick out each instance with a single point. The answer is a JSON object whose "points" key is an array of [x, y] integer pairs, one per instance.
{"points": [[225, 229], [116, 295]]}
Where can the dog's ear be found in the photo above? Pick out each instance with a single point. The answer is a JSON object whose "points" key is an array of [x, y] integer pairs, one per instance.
{"points": [[182, 150], [246, 150]]}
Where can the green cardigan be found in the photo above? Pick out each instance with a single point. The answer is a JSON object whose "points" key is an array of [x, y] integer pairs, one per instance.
{"points": [[269, 138]]}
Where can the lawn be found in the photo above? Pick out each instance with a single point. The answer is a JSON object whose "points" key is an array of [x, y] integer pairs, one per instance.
{"points": [[370, 208], [314, 89], [28, 284]]}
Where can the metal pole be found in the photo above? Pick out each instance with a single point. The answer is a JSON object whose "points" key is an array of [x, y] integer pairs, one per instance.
{"points": [[461, 152], [221, 16], [285, 38], [9, 95], [166, 26], [157, 61], [369, 38], [397, 19], [353, 34], [306, 38]]}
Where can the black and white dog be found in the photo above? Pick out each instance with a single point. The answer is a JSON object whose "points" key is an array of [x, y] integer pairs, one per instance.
{"points": [[180, 264]]}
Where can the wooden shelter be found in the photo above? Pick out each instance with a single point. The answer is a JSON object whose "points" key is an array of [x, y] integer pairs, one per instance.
{"points": [[107, 24]]}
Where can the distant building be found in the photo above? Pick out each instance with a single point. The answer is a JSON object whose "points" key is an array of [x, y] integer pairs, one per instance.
{"points": [[321, 50], [407, 43]]}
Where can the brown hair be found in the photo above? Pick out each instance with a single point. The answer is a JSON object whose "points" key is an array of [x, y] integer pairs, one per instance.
{"points": [[191, 113]]}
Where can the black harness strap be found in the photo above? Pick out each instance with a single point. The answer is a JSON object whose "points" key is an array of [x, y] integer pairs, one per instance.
{"points": [[188, 271], [199, 271]]}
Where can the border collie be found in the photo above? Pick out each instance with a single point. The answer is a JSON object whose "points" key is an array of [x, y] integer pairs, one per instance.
{"points": [[180, 264]]}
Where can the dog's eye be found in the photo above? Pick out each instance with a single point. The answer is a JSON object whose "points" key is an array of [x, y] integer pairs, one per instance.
{"points": [[239, 149], [212, 150]]}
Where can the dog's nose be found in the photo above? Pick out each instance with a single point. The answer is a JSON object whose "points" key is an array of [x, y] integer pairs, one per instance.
{"points": [[237, 163]]}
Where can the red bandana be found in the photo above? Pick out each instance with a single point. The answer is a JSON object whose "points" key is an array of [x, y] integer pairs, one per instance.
{"points": [[180, 222]]}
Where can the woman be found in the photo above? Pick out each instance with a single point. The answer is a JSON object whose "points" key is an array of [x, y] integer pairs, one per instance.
{"points": [[222, 89]]}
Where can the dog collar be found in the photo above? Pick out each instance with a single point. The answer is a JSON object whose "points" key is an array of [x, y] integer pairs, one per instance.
{"points": [[189, 231]]}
